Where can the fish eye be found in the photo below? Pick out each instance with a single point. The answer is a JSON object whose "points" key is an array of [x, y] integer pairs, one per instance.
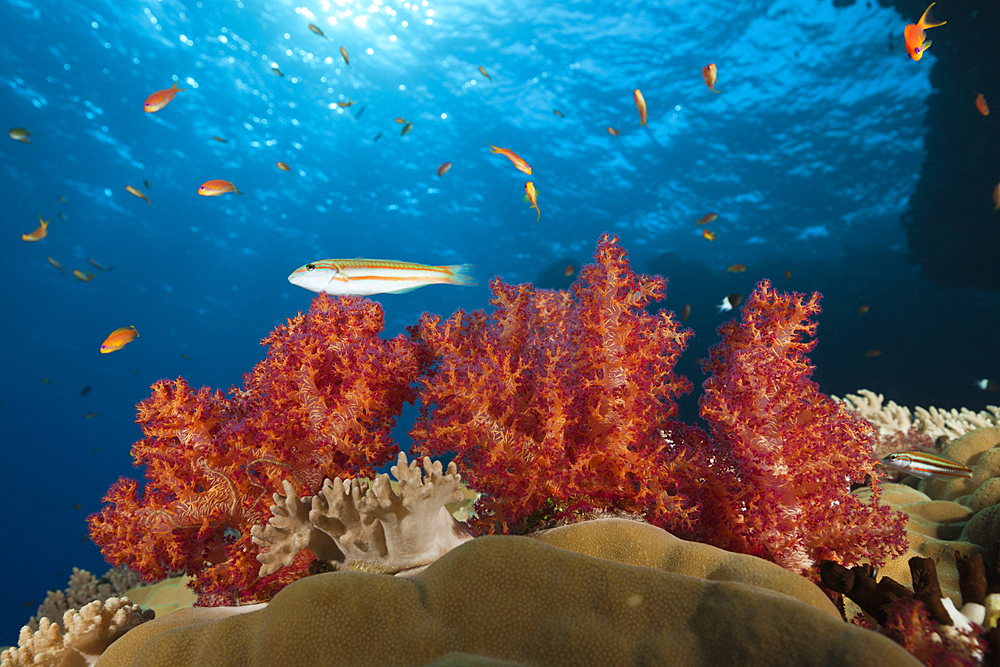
{"points": [[310, 267]]}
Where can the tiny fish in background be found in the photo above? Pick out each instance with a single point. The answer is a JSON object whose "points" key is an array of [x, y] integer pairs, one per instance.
{"points": [[19, 134], [40, 233], [996, 198], [161, 98], [98, 265], [640, 104], [708, 234], [316, 30], [343, 53], [83, 277], [146, 183], [483, 72], [85, 390], [987, 385], [707, 218], [364, 277], [444, 169], [400, 120], [686, 312], [513, 157], [922, 464], [614, 131], [731, 301], [91, 415], [710, 73], [56, 264], [118, 339], [406, 129], [377, 137], [344, 105], [981, 105], [217, 187], [863, 308], [735, 268], [220, 140], [277, 71], [558, 113], [913, 34], [360, 111], [569, 270], [283, 166], [136, 193], [788, 276], [63, 199], [871, 354]]}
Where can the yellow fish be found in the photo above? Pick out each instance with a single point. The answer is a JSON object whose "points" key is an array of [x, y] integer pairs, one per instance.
{"points": [[40, 233], [118, 339], [364, 277]]}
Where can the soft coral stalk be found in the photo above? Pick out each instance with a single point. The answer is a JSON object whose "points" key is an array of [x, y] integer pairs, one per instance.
{"points": [[788, 453]]}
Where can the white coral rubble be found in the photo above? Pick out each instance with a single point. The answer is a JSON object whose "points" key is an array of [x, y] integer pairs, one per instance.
{"points": [[356, 524], [932, 422]]}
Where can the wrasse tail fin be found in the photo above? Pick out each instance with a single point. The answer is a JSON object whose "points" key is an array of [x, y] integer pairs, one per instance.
{"points": [[980, 473], [461, 274]]}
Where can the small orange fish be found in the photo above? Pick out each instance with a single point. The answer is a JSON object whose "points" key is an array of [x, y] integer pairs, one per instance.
{"points": [[217, 187], [83, 277], [613, 131], [135, 192], [400, 120], [220, 140], [984, 108], [914, 34], [277, 71], [569, 270], [40, 233], [862, 309], [640, 104], [444, 169], [161, 98], [283, 167], [736, 268], [19, 134], [788, 276], [97, 264], [56, 264], [406, 129], [317, 31], [529, 189], [344, 105], [343, 52], [483, 72], [710, 73], [708, 235], [871, 354], [513, 157], [707, 218], [996, 198], [686, 312], [118, 339], [558, 113]]}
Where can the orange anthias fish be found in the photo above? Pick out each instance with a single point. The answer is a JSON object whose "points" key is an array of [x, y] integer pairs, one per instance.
{"points": [[710, 74], [53, 262], [118, 339], [135, 192], [640, 104], [40, 233], [614, 131], [344, 105], [343, 52], [483, 72], [443, 169], [529, 189], [283, 167], [996, 198], [707, 218], [914, 34], [513, 157], [161, 98], [981, 104], [316, 30], [736, 268], [708, 235], [83, 277], [217, 187], [400, 120]]}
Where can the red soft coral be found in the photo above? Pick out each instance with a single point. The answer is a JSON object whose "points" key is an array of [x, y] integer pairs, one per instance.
{"points": [[555, 403], [786, 453], [321, 404]]}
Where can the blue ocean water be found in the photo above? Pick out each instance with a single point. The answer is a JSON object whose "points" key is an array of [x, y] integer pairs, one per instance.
{"points": [[808, 153]]}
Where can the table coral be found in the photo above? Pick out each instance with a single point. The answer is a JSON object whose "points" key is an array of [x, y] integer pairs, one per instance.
{"points": [[519, 600], [323, 403]]}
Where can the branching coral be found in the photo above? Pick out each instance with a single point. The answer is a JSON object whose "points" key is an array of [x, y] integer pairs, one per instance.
{"points": [[555, 402], [354, 524], [321, 404], [785, 452]]}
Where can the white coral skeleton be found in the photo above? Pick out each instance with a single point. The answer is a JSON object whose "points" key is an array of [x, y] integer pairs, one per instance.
{"points": [[351, 524]]}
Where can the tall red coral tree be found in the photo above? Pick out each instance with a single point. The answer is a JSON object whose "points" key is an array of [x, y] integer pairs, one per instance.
{"points": [[321, 404], [785, 453], [555, 402]]}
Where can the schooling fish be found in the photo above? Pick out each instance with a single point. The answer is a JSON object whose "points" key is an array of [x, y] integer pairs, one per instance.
{"points": [[364, 277], [710, 73], [118, 339], [640, 104], [53, 262], [40, 233], [921, 464], [217, 187], [532, 195], [443, 169], [136, 193], [513, 157], [283, 166], [343, 53], [161, 98], [483, 72], [316, 30], [914, 34]]}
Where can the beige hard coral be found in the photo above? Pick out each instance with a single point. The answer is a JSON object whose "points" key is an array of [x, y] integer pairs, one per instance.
{"points": [[88, 632], [519, 601], [351, 524]]}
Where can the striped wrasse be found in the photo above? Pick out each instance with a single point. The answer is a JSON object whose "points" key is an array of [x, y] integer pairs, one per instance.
{"points": [[364, 277], [921, 464]]}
